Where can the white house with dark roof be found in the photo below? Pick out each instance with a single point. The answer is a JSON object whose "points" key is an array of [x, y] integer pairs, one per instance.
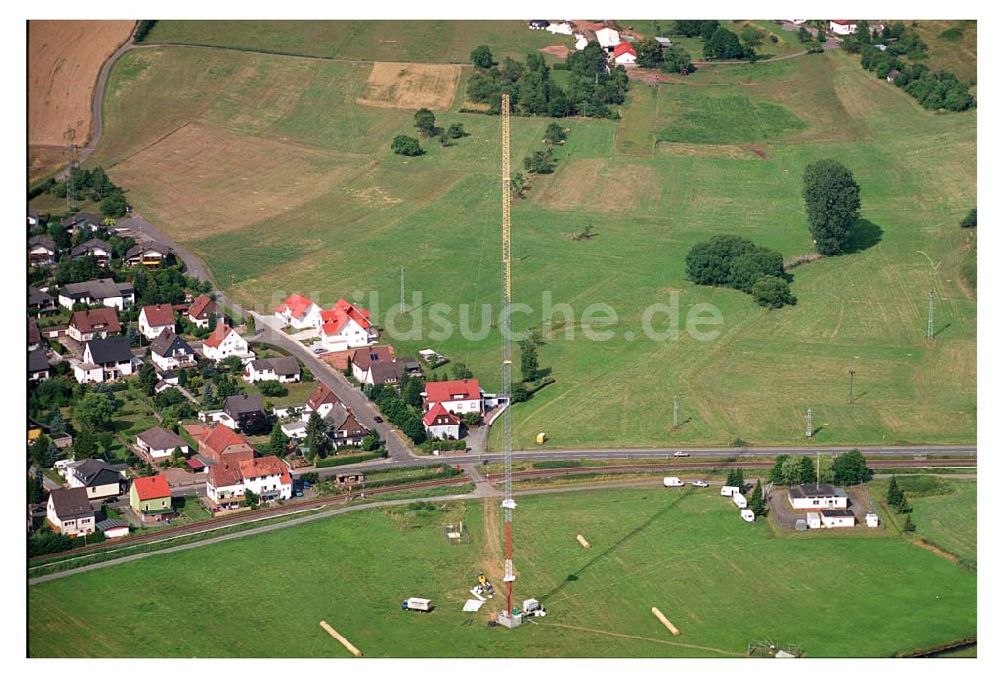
{"points": [[159, 443], [98, 292], [281, 369], [41, 250], [149, 254], [98, 249], [104, 360], [99, 479], [813, 497], [169, 352], [69, 511]]}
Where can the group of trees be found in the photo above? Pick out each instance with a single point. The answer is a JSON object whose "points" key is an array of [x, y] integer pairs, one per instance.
{"points": [[651, 55], [833, 204], [788, 470], [729, 260], [896, 498], [849, 468], [165, 285], [425, 123], [94, 185], [720, 42], [402, 408], [592, 89], [735, 478], [897, 49]]}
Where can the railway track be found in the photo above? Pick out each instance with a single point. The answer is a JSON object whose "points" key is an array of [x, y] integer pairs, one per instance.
{"points": [[213, 524]]}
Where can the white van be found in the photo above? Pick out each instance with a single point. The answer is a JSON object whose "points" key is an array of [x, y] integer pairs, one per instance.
{"points": [[729, 490], [673, 482]]}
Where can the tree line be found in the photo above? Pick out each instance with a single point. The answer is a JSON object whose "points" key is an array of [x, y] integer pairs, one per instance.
{"points": [[720, 42], [736, 262], [83, 185], [593, 88]]}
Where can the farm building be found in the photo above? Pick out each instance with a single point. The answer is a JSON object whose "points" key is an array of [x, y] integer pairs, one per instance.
{"points": [[837, 517], [810, 497], [623, 54], [608, 38]]}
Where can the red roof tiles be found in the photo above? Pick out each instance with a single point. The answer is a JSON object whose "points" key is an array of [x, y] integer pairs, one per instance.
{"points": [[263, 467], [217, 336], [98, 319], [296, 305], [153, 487], [202, 307], [159, 315], [336, 317], [446, 391], [623, 48], [221, 438], [436, 411]]}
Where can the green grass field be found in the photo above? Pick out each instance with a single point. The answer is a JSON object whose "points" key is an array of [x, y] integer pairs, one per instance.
{"points": [[721, 581], [266, 167]]}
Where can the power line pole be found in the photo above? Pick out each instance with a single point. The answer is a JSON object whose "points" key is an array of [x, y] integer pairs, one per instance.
{"points": [[809, 422], [676, 410], [930, 315], [850, 394]]}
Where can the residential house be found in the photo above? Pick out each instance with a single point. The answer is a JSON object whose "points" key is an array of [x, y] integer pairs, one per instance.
{"points": [[244, 411], [224, 481], [225, 342], [281, 369], [41, 250], [812, 497], [299, 312], [376, 365], [295, 430], [155, 318], [39, 301], [150, 496], [105, 359], [149, 254], [169, 352], [441, 424], [38, 365], [158, 443], [459, 397], [623, 54], [100, 250], [34, 335], [346, 326], [608, 38], [82, 221], [343, 428], [86, 325], [221, 441], [268, 477], [69, 511], [321, 401], [97, 478], [843, 26], [97, 292], [202, 311]]}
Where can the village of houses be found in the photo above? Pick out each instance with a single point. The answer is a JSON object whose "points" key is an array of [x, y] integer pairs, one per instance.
{"points": [[80, 332], [93, 348]]}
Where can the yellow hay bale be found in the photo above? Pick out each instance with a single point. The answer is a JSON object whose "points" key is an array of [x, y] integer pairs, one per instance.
{"points": [[583, 542], [659, 615], [343, 641]]}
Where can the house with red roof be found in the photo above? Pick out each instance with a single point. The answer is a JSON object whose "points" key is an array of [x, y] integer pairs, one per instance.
{"points": [[458, 397], [268, 477], [441, 424], [150, 496], [153, 319], [623, 54], [843, 26], [202, 311], [224, 480], [299, 312], [100, 322], [225, 342], [222, 440], [346, 326], [321, 401]]}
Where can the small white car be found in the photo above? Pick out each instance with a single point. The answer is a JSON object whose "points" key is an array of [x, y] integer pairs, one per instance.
{"points": [[699, 483], [682, 454]]}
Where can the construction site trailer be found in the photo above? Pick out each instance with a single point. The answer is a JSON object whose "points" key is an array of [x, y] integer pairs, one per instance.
{"points": [[418, 604]]}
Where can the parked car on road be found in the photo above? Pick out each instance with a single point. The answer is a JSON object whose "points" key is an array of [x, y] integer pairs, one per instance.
{"points": [[681, 454], [379, 419]]}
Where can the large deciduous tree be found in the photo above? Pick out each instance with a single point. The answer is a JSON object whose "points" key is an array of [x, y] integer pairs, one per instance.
{"points": [[423, 121], [833, 204], [648, 53], [851, 468], [482, 58]]}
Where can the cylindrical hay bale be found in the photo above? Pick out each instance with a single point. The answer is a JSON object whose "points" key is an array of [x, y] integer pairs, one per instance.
{"points": [[659, 615], [583, 542], [343, 641]]}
